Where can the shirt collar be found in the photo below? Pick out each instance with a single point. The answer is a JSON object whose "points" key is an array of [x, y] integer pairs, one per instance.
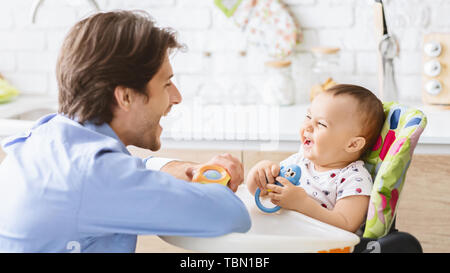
{"points": [[104, 129]]}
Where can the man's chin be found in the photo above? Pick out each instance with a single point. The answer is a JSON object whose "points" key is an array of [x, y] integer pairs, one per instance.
{"points": [[155, 146]]}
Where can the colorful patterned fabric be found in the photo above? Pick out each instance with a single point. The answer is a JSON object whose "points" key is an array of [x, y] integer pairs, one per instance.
{"points": [[267, 24], [388, 162]]}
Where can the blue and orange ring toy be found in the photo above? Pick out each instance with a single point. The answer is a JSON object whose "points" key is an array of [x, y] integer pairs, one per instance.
{"points": [[212, 174]]}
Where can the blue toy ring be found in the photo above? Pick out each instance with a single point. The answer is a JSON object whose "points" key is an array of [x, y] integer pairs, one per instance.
{"points": [[291, 173], [261, 206]]}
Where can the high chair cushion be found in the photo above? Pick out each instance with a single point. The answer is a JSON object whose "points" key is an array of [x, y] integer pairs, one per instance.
{"points": [[388, 162]]}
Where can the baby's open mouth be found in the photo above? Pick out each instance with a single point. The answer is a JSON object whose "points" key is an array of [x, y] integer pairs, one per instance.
{"points": [[308, 142]]}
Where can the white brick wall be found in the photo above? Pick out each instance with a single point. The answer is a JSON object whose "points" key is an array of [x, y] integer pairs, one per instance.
{"points": [[28, 52]]}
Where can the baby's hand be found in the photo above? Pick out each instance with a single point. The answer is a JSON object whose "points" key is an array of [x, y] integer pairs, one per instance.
{"points": [[287, 196], [262, 173]]}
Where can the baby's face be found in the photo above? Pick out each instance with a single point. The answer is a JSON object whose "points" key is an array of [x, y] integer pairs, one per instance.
{"points": [[329, 124]]}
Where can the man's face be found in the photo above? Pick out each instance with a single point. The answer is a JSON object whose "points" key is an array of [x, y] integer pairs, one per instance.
{"points": [[162, 95]]}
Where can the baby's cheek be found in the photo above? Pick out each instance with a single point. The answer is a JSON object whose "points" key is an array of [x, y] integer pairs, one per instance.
{"points": [[302, 130], [326, 143]]}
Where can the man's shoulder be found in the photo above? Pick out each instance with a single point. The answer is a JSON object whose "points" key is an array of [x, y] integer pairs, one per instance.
{"points": [[85, 140], [63, 137]]}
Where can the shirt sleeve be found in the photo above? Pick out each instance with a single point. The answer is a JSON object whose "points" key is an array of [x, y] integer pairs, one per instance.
{"points": [[356, 180], [292, 159], [156, 163], [120, 195]]}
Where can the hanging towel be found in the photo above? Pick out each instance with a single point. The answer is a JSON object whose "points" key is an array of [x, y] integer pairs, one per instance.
{"points": [[266, 23]]}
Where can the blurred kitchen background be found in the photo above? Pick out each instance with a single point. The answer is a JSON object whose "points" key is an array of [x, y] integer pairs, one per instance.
{"points": [[218, 50], [227, 64]]}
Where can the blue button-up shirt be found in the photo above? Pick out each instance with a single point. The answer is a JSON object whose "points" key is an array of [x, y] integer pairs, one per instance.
{"points": [[69, 187]]}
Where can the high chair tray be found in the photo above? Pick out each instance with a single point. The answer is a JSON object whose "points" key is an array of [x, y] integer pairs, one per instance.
{"points": [[284, 231]]}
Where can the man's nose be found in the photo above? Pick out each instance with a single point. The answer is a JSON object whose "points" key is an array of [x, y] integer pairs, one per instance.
{"points": [[175, 95]]}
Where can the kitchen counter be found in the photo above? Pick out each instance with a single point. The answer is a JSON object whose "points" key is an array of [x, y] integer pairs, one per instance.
{"points": [[193, 125], [25, 104], [19, 114], [270, 128]]}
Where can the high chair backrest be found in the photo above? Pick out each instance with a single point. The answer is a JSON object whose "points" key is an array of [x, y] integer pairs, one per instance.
{"points": [[388, 162]]}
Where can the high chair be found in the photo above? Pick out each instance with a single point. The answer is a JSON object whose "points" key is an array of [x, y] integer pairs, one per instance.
{"points": [[388, 162], [290, 231]]}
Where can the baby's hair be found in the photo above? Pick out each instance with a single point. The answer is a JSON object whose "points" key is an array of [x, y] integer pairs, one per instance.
{"points": [[370, 109]]}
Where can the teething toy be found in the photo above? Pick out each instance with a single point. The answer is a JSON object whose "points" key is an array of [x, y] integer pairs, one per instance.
{"points": [[291, 173], [212, 174]]}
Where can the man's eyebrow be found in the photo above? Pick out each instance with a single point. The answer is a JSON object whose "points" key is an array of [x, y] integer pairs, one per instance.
{"points": [[171, 75]]}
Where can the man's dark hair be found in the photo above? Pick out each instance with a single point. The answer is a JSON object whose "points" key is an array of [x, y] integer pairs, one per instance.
{"points": [[106, 50], [370, 110]]}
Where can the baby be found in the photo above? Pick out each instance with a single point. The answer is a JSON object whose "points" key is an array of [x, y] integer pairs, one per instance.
{"points": [[340, 125]]}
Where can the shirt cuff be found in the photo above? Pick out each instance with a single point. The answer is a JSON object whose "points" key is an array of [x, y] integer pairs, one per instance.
{"points": [[156, 163]]}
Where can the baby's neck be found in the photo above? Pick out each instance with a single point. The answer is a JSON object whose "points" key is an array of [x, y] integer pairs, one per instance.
{"points": [[331, 166]]}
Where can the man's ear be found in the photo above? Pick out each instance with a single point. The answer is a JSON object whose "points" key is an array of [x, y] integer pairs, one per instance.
{"points": [[123, 96], [355, 144]]}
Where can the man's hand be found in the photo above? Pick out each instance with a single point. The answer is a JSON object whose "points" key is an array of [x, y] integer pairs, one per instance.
{"points": [[232, 164]]}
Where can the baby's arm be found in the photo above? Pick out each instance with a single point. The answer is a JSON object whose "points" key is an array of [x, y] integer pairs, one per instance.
{"points": [[348, 213]]}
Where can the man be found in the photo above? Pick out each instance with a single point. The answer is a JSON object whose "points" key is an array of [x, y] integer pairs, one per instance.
{"points": [[71, 184]]}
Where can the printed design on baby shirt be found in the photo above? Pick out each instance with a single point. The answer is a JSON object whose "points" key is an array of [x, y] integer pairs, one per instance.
{"points": [[328, 187]]}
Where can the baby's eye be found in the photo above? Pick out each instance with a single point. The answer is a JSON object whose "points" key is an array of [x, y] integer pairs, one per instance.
{"points": [[321, 124], [308, 116]]}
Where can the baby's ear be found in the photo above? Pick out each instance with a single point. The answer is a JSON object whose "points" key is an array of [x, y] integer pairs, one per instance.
{"points": [[355, 144]]}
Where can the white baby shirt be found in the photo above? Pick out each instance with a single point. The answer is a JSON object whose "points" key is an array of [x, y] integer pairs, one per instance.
{"points": [[330, 186]]}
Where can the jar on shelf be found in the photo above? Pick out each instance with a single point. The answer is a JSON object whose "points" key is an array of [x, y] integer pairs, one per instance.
{"points": [[210, 91], [242, 91], [324, 68], [279, 86]]}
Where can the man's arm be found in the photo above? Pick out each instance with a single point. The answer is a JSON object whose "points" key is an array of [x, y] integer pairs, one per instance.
{"points": [[185, 170], [180, 169], [119, 195], [174, 167]]}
